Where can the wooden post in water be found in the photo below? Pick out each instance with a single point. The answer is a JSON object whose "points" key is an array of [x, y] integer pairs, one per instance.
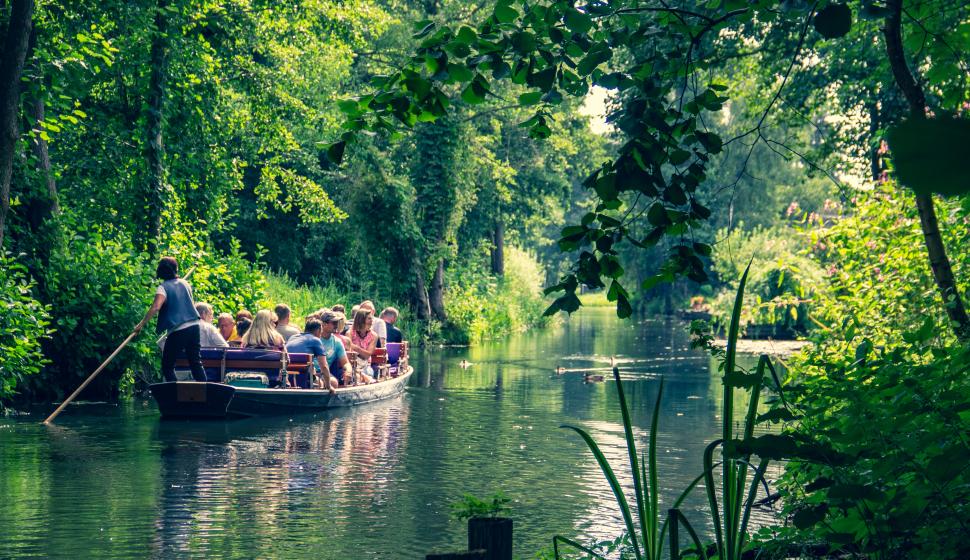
{"points": [[494, 534], [467, 555]]}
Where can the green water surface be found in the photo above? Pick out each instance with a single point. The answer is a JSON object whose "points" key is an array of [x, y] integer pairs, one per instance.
{"points": [[374, 482]]}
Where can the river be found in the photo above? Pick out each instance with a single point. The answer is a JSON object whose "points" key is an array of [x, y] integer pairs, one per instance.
{"points": [[375, 482]]}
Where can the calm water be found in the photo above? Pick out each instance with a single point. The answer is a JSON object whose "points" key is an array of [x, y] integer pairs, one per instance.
{"points": [[376, 482]]}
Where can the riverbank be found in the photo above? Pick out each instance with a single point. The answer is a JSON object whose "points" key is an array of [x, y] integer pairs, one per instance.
{"points": [[776, 348], [478, 306]]}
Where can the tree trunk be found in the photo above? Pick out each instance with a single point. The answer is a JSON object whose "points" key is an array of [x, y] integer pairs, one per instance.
{"points": [[939, 262], [437, 292], [419, 298], [875, 162], [498, 248], [156, 190], [11, 68], [49, 205]]}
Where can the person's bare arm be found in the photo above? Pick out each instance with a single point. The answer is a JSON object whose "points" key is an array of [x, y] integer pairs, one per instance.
{"points": [[366, 352], [344, 364], [325, 372], [152, 311]]}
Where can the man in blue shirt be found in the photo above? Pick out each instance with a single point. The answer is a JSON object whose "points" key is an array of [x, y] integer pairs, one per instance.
{"points": [[309, 343], [318, 340]]}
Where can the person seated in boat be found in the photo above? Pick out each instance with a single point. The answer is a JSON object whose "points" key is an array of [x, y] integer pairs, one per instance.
{"points": [[363, 339], [177, 317], [209, 335], [283, 325], [311, 342], [341, 328], [390, 316], [262, 334], [227, 327], [242, 326], [378, 325], [330, 330]]}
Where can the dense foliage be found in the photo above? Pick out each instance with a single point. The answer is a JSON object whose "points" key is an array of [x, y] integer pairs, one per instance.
{"points": [[24, 324], [198, 130]]}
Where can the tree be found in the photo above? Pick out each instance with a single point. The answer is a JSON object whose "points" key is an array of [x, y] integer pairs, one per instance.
{"points": [[556, 49], [11, 67]]}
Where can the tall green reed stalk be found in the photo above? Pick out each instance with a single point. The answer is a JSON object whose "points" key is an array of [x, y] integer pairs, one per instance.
{"points": [[731, 515], [647, 531]]}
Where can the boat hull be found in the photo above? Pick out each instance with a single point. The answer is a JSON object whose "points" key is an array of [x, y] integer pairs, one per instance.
{"points": [[258, 401], [192, 399]]}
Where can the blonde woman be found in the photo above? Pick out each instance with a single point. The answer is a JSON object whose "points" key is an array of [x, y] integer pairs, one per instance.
{"points": [[363, 340], [262, 333], [341, 328]]}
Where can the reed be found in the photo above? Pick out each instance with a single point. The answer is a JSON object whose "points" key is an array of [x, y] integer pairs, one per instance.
{"points": [[647, 525]]}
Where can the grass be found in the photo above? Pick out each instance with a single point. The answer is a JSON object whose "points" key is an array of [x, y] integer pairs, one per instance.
{"points": [[304, 300], [596, 299]]}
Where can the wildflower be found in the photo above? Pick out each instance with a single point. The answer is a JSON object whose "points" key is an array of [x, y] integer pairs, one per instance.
{"points": [[792, 209]]}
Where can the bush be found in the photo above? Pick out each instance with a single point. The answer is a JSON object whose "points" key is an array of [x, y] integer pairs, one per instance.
{"points": [[98, 288], [898, 485], [885, 387], [307, 299], [23, 325], [480, 306], [782, 282], [878, 277]]}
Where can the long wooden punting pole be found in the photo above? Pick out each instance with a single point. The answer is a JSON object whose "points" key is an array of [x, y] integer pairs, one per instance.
{"points": [[103, 365]]}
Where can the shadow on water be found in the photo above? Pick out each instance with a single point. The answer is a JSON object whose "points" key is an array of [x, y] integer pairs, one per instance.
{"points": [[373, 482]]}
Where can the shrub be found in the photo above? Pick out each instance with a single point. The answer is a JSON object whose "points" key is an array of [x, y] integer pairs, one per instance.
{"points": [[98, 288], [877, 274], [23, 325], [885, 386], [783, 279], [480, 306]]}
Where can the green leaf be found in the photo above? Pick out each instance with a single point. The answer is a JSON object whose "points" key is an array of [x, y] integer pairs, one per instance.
{"points": [[422, 28], [711, 142], [504, 12], [460, 73], [808, 517], [929, 155], [594, 59], [833, 21], [657, 215], [578, 22], [335, 152], [530, 98]]}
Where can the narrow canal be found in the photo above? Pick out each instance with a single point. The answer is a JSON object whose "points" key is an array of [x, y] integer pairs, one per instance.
{"points": [[376, 482]]}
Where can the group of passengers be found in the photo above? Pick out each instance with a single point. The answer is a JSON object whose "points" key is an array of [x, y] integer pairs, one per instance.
{"points": [[327, 336]]}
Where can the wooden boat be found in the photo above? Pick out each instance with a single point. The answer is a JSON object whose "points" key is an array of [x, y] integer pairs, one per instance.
{"points": [[245, 383]]}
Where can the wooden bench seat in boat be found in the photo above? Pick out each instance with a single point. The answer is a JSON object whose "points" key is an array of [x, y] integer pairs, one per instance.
{"points": [[220, 362]]}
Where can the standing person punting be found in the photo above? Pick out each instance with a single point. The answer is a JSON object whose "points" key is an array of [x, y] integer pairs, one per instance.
{"points": [[177, 317]]}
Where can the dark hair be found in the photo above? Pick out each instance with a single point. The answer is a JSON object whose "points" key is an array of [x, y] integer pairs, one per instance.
{"points": [[282, 311], [168, 268], [339, 308], [312, 325], [242, 326]]}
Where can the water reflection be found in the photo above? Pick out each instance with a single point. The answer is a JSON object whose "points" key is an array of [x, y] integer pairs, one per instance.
{"points": [[374, 482]]}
